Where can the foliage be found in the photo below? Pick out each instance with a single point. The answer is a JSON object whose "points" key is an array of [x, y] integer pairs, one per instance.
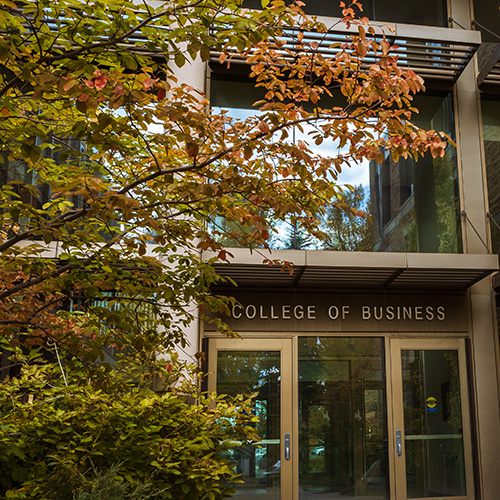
{"points": [[137, 166], [108, 487], [112, 174], [58, 441]]}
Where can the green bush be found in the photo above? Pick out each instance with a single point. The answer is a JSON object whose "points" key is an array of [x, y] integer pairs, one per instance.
{"points": [[107, 487], [59, 441]]}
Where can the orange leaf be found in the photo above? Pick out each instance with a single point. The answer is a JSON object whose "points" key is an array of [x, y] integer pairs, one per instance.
{"points": [[264, 127], [100, 80], [161, 94]]}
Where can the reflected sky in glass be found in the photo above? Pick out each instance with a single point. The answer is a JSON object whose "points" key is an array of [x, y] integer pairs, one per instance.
{"points": [[356, 174]]}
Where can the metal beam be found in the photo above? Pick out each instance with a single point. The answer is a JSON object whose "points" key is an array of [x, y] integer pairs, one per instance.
{"points": [[488, 66]]}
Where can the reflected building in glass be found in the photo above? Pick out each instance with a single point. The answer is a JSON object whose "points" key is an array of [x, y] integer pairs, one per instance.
{"points": [[415, 205]]}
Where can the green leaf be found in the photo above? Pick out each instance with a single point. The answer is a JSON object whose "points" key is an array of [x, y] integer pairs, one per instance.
{"points": [[180, 60]]}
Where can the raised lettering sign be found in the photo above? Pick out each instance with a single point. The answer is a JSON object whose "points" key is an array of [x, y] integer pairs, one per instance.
{"points": [[318, 311]]}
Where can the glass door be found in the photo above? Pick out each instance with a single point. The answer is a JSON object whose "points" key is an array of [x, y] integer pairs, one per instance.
{"points": [[263, 367], [333, 426], [431, 438], [342, 417]]}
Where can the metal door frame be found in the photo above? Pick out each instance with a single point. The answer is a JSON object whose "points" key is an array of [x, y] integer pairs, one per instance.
{"points": [[289, 468], [397, 464]]}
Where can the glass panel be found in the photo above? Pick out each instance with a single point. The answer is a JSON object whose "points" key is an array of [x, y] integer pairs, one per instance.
{"points": [[342, 419], [491, 132], [490, 109], [247, 372], [426, 12], [433, 424], [414, 206], [487, 20]]}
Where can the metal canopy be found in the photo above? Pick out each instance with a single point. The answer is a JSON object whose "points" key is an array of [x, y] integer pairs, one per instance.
{"points": [[488, 79], [358, 270], [433, 53]]}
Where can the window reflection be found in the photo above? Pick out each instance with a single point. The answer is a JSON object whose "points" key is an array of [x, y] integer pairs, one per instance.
{"points": [[491, 133], [487, 20], [411, 206], [415, 205], [490, 109], [342, 419], [248, 372]]}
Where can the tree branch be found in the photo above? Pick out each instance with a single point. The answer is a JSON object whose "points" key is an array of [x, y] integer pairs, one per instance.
{"points": [[219, 155], [57, 222], [61, 270]]}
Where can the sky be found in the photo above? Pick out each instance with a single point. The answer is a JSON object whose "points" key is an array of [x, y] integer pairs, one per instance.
{"points": [[354, 175]]}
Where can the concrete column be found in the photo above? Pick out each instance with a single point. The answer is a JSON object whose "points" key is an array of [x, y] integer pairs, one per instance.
{"points": [[192, 73], [482, 301]]}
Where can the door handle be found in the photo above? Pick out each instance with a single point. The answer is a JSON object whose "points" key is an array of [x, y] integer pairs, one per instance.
{"points": [[399, 444], [287, 446]]}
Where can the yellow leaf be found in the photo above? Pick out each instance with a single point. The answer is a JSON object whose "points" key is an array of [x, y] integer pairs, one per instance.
{"points": [[379, 157], [8, 3]]}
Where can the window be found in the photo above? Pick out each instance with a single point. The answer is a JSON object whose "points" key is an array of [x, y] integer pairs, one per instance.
{"points": [[487, 19], [414, 206], [32, 190], [491, 134], [425, 12]]}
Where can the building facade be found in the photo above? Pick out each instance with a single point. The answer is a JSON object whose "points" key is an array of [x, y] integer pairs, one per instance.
{"points": [[375, 363]]}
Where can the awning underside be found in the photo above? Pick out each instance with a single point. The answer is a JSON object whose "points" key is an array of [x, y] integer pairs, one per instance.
{"points": [[408, 271]]}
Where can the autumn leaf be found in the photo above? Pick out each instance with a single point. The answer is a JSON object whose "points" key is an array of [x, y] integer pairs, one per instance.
{"points": [[264, 127], [161, 94], [192, 149], [148, 83], [100, 80]]}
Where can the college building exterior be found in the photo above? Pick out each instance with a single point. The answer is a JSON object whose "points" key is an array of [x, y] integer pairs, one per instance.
{"points": [[376, 362]]}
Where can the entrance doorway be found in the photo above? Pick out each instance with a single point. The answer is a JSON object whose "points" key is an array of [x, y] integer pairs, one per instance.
{"points": [[362, 418]]}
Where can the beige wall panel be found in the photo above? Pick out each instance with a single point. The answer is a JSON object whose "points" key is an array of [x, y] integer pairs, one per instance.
{"points": [[192, 73], [484, 349], [460, 12]]}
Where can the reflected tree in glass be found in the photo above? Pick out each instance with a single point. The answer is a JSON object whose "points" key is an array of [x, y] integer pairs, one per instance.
{"points": [[345, 230], [342, 419], [256, 372]]}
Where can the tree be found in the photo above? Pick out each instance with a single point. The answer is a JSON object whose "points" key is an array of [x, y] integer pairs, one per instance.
{"points": [[113, 172], [348, 227], [297, 239]]}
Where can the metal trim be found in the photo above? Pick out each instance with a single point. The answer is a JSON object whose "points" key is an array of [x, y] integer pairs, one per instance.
{"points": [[358, 270], [433, 53]]}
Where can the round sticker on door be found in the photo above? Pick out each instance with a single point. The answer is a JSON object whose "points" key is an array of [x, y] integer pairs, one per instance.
{"points": [[431, 404]]}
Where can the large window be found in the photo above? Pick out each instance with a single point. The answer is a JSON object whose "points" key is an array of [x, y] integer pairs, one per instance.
{"points": [[491, 134], [426, 12], [487, 19], [490, 107], [413, 206]]}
